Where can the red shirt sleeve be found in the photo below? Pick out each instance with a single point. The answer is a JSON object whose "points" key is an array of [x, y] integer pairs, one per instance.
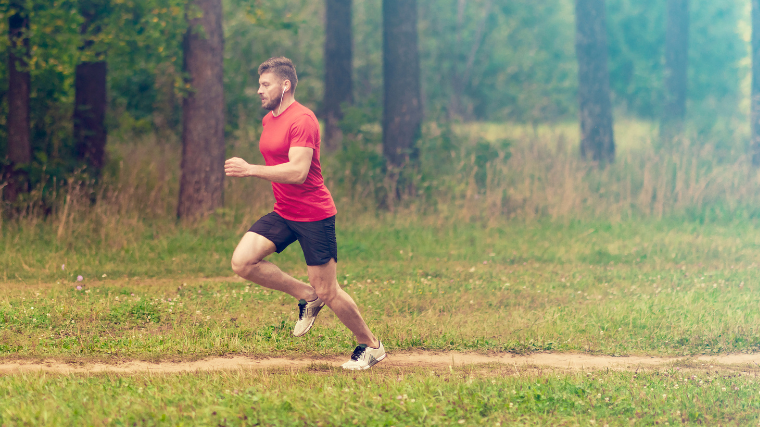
{"points": [[304, 133]]}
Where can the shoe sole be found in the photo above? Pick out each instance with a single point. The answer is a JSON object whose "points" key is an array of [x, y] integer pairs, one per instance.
{"points": [[310, 325]]}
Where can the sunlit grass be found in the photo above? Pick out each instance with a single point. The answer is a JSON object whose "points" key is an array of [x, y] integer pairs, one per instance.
{"points": [[643, 288], [319, 395]]}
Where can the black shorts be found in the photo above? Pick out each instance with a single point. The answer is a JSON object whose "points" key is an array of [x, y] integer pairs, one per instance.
{"points": [[317, 238]]}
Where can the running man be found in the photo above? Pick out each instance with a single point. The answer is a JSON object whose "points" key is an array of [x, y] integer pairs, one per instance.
{"points": [[304, 210]]}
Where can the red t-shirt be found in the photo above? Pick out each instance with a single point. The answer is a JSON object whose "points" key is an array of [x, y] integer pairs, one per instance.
{"points": [[297, 126]]}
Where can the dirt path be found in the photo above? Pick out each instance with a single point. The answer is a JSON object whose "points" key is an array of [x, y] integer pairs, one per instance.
{"points": [[397, 360]]}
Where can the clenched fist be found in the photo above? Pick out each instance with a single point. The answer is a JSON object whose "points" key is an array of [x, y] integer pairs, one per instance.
{"points": [[237, 167]]}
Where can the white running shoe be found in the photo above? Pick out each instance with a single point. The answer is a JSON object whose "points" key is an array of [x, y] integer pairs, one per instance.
{"points": [[307, 313], [365, 357]]}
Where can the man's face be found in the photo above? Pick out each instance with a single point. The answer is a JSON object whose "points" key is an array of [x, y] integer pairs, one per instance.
{"points": [[270, 90]]}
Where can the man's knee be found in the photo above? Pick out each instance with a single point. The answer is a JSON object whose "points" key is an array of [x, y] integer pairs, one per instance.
{"points": [[327, 292], [242, 266]]}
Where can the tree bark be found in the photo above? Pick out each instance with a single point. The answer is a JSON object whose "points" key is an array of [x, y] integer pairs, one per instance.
{"points": [[201, 185], [338, 68], [90, 115], [755, 113], [19, 141], [597, 136], [90, 96], [402, 105], [676, 68]]}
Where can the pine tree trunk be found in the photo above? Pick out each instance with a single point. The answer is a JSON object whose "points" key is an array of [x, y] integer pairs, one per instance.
{"points": [[90, 95], [201, 185], [402, 106], [338, 68], [90, 115], [676, 68], [597, 137], [19, 142], [755, 113]]}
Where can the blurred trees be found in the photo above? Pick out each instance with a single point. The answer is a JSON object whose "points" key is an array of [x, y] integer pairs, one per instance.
{"points": [[676, 68], [19, 144], [338, 69], [479, 60], [402, 105], [755, 94], [201, 184], [597, 137]]}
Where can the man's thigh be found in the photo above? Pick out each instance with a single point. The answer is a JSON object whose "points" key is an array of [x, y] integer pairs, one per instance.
{"points": [[252, 249], [269, 234]]}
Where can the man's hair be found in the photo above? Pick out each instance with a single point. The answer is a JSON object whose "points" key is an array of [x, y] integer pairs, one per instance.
{"points": [[283, 68]]}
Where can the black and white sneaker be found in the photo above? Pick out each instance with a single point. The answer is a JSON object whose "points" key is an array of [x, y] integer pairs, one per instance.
{"points": [[307, 313], [364, 357]]}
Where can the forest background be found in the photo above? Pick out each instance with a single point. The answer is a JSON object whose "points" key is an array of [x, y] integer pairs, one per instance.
{"points": [[499, 84]]}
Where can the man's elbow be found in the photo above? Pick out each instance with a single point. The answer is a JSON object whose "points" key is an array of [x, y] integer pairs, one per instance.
{"points": [[300, 178]]}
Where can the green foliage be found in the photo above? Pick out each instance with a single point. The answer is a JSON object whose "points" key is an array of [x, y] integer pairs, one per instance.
{"points": [[519, 58], [139, 39], [636, 30]]}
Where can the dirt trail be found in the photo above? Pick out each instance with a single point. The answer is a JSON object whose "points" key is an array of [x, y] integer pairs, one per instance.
{"points": [[567, 361]]}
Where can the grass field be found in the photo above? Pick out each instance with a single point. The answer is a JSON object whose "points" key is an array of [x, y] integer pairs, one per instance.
{"points": [[523, 265], [647, 287], [635, 288], [484, 395]]}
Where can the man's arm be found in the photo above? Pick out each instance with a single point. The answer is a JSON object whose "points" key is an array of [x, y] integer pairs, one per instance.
{"points": [[294, 171]]}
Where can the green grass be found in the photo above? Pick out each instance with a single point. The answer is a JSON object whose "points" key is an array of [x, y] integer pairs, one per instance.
{"points": [[319, 395], [425, 278], [649, 287]]}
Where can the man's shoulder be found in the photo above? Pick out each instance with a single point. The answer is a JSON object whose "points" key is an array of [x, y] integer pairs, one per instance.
{"points": [[302, 110], [304, 115]]}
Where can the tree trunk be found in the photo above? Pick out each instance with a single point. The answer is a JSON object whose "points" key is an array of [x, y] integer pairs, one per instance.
{"points": [[402, 106], [597, 137], [19, 143], [90, 95], [676, 68], [90, 115], [755, 114], [201, 185], [338, 68]]}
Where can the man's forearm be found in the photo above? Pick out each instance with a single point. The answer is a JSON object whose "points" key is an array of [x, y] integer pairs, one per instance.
{"points": [[285, 173]]}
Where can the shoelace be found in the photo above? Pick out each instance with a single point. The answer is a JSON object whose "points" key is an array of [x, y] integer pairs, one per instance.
{"points": [[301, 308], [358, 351]]}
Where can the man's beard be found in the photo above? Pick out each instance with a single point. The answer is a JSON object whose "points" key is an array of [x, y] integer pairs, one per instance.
{"points": [[271, 105]]}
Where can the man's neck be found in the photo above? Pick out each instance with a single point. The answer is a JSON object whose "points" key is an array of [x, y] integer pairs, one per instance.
{"points": [[287, 100]]}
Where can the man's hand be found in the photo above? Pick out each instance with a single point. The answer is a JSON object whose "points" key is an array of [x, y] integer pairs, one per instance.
{"points": [[237, 167]]}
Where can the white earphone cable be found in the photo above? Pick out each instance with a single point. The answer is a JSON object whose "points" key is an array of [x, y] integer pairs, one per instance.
{"points": [[279, 106]]}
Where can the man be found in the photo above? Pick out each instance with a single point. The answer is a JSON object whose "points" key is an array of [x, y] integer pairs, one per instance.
{"points": [[304, 210]]}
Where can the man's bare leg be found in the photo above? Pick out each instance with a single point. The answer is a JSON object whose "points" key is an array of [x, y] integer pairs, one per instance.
{"points": [[324, 279], [248, 263]]}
